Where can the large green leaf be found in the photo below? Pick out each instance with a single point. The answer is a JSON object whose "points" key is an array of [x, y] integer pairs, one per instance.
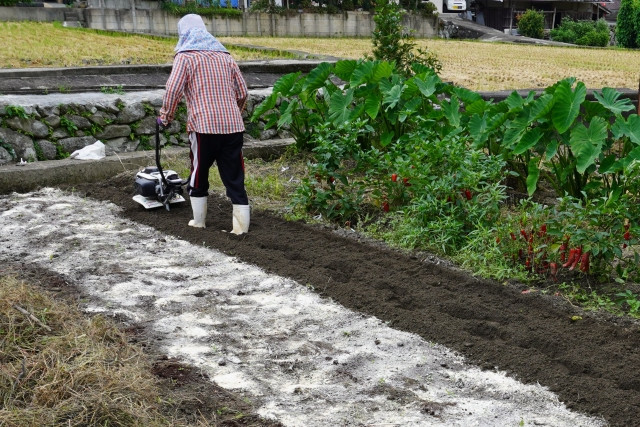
{"points": [[629, 127], [477, 107], [451, 110], [409, 108], [287, 110], [528, 140], [634, 155], [343, 69], [340, 106], [317, 77], [372, 103], [586, 143], [427, 86], [610, 100], [514, 101], [465, 95], [512, 136], [393, 96], [478, 130], [496, 120], [552, 149], [567, 104], [385, 138], [541, 106], [362, 73], [285, 84], [533, 174], [266, 105], [381, 70], [610, 164]]}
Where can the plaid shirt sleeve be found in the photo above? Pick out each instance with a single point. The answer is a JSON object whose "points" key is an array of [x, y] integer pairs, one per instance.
{"points": [[214, 89]]}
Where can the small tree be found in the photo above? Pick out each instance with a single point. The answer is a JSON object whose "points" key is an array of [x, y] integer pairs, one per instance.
{"points": [[531, 24], [626, 31], [391, 42]]}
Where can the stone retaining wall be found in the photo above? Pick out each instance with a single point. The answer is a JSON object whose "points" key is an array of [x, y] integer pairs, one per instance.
{"points": [[52, 127]]}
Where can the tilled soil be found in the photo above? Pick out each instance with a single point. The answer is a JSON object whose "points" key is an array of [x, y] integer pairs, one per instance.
{"points": [[591, 362]]}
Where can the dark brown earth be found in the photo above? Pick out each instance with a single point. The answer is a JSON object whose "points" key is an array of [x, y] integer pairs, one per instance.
{"points": [[591, 363]]}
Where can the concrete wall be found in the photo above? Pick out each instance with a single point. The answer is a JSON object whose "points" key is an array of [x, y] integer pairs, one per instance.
{"points": [[145, 17], [39, 14]]}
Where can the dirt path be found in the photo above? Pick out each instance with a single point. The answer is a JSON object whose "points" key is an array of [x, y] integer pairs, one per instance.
{"points": [[590, 363], [296, 357]]}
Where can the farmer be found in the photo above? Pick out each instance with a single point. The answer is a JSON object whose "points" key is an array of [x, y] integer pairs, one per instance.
{"points": [[215, 92]]}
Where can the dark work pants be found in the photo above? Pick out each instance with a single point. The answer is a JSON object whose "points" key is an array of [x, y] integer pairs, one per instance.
{"points": [[226, 151]]}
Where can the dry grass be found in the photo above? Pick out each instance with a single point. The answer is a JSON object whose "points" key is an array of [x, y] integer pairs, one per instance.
{"points": [[81, 372], [472, 64], [492, 66], [57, 46]]}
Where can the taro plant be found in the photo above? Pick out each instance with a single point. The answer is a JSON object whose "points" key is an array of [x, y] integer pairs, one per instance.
{"points": [[375, 91], [579, 147]]}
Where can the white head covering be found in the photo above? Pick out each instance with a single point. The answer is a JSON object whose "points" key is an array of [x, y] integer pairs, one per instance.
{"points": [[193, 35]]}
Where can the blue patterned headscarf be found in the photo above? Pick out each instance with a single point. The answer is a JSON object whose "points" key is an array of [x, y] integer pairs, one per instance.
{"points": [[193, 35]]}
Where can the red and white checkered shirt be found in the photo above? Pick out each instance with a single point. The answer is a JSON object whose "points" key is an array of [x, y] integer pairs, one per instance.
{"points": [[214, 89]]}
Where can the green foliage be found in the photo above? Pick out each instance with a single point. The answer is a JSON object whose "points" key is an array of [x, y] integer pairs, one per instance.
{"points": [[576, 146], [626, 26], [145, 143], [422, 163], [8, 147], [267, 6], [531, 24], [584, 33], [95, 129], [16, 111], [39, 152], [629, 300], [539, 238], [68, 125], [375, 92], [13, 2], [391, 41], [149, 109], [61, 153], [207, 9], [330, 191], [112, 89], [427, 9]]}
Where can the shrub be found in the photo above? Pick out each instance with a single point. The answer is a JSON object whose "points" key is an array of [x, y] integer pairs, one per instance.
{"points": [[626, 31], [209, 9], [531, 24], [584, 33], [392, 43]]}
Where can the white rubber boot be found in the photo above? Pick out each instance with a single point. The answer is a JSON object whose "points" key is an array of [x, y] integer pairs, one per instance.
{"points": [[241, 218], [199, 207]]}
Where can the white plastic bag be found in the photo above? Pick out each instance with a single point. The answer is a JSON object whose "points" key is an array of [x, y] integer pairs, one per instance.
{"points": [[94, 151]]}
